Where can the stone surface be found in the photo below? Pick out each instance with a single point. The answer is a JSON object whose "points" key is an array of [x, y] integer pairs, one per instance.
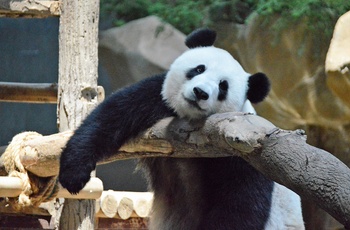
{"points": [[338, 60], [295, 64], [139, 49], [299, 93]]}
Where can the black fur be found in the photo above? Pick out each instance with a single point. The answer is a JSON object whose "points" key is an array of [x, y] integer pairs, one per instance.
{"points": [[223, 87], [258, 87], [191, 73], [210, 193], [200, 38], [120, 117], [218, 193]]}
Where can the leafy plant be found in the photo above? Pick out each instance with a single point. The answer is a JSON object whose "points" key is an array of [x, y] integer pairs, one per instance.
{"points": [[319, 15], [124, 11]]}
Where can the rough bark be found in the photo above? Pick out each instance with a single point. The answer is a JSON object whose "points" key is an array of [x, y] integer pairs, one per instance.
{"points": [[283, 156], [313, 173], [78, 92]]}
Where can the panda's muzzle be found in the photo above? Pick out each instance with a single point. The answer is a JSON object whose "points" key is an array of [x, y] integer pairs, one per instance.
{"points": [[200, 94], [197, 95], [193, 103]]}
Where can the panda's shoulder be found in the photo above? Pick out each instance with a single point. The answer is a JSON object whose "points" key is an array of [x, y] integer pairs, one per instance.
{"points": [[146, 83], [141, 93]]}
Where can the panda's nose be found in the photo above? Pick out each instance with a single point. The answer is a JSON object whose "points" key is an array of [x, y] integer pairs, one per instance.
{"points": [[200, 94]]}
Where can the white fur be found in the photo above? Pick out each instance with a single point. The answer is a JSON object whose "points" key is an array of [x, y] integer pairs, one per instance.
{"points": [[248, 108], [285, 211], [220, 65]]}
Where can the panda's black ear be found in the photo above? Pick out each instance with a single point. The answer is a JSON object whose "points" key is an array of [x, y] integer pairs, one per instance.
{"points": [[200, 38], [258, 87]]}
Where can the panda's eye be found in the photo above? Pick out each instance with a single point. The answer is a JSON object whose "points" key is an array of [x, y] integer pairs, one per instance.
{"points": [[191, 73], [200, 69]]}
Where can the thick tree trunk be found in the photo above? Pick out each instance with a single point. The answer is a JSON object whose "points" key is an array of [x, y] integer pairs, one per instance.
{"points": [[77, 93]]}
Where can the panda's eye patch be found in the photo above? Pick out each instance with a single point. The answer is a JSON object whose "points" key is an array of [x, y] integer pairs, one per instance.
{"points": [[195, 71], [223, 87], [200, 69]]}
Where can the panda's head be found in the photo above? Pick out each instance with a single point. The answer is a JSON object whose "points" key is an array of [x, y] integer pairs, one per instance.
{"points": [[206, 80]]}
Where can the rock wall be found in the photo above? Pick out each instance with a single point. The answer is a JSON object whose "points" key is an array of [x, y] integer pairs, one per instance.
{"points": [[301, 95], [139, 49], [338, 60]]}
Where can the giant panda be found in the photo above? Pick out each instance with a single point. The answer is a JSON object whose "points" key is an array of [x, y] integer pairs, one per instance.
{"points": [[210, 193]]}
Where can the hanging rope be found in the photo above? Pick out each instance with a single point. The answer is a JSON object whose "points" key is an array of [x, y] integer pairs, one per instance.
{"points": [[35, 189]]}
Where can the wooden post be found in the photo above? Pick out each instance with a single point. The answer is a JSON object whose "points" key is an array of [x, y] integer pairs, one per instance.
{"points": [[77, 93]]}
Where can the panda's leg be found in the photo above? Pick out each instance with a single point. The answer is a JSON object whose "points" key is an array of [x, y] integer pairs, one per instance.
{"points": [[285, 211], [120, 117]]}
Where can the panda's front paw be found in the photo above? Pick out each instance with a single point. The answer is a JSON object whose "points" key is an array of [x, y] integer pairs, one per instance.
{"points": [[74, 181], [75, 173]]}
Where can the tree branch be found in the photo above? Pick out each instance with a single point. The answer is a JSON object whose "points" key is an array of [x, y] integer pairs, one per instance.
{"points": [[283, 156], [313, 173]]}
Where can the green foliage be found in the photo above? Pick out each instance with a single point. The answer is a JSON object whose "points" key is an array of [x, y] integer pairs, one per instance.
{"points": [[125, 10], [186, 15], [319, 15], [183, 14]]}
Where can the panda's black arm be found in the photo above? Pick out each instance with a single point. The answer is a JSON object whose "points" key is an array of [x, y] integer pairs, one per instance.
{"points": [[120, 117]]}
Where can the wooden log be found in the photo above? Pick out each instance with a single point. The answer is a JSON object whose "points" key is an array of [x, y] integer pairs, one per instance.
{"points": [[78, 91], [33, 92], [29, 8], [125, 208], [125, 204], [38, 151], [109, 204], [41, 155], [142, 203], [299, 166], [12, 187], [28, 92]]}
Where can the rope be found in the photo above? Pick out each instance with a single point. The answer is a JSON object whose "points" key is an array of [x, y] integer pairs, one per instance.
{"points": [[35, 189]]}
